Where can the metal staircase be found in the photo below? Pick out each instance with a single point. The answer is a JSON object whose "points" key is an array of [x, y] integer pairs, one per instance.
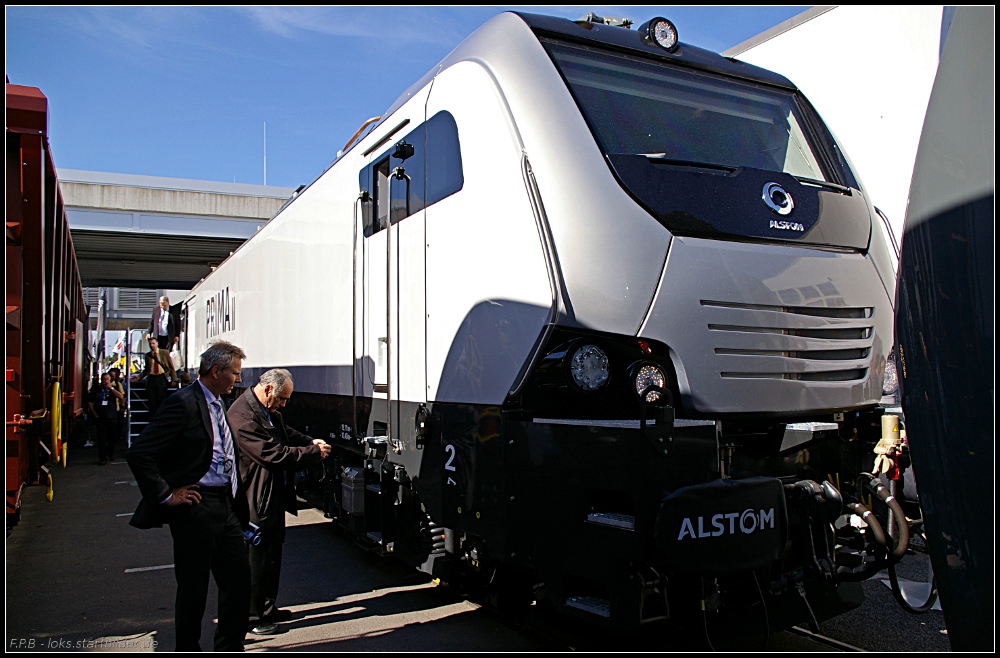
{"points": [[138, 410]]}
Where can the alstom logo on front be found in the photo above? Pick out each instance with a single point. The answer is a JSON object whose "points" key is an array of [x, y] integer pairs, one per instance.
{"points": [[786, 226], [745, 522]]}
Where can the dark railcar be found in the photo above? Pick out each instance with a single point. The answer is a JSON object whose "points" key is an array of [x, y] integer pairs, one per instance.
{"points": [[945, 328]]}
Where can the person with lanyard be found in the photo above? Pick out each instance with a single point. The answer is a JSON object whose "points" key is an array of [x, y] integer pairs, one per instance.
{"points": [[184, 463], [103, 408], [270, 453]]}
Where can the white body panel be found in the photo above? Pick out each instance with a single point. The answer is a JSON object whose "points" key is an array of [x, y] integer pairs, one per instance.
{"points": [[309, 241], [488, 291], [724, 313], [462, 273]]}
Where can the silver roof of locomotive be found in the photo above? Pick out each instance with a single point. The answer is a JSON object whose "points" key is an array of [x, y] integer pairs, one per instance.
{"points": [[479, 45]]}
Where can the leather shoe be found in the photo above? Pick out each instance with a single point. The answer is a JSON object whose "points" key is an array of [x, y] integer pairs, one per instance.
{"points": [[265, 629], [278, 615]]}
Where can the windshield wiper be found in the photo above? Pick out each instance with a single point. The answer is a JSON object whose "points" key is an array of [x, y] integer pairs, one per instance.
{"points": [[823, 183], [661, 158]]}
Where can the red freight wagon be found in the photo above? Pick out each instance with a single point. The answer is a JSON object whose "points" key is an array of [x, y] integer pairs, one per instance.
{"points": [[46, 315]]}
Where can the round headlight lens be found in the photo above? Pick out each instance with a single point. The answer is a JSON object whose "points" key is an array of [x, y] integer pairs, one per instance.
{"points": [[589, 367], [890, 383], [648, 376], [663, 33]]}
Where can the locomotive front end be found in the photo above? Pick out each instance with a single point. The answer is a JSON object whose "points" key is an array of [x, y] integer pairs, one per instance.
{"points": [[664, 408], [713, 458]]}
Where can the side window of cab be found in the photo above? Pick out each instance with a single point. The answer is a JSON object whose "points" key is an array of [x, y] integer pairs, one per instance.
{"points": [[418, 170]]}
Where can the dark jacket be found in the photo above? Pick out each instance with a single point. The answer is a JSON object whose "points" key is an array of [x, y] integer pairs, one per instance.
{"points": [[154, 326], [174, 450], [107, 411], [270, 453]]}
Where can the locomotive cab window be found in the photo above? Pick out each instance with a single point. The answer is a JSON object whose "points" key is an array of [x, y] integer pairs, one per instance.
{"points": [[420, 169], [642, 107]]}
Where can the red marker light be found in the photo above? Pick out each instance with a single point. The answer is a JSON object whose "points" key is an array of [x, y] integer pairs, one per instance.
{"points": [[644, 346]]}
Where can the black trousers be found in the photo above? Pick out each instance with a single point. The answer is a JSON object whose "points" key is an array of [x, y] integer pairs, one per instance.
{"points": [[265, 573], [208, 539], [156, 391], [107, 436]]}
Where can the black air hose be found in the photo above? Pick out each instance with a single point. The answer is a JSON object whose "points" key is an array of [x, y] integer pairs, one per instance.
{"points": [[877, 533], [903, 540]]}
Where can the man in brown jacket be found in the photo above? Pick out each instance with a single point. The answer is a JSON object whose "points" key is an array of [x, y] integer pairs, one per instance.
{"points": [[158, 368], [270, 453]]}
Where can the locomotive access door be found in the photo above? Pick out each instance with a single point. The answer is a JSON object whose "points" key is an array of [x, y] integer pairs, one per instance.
{"points": [[375, 265], [390, 267]]}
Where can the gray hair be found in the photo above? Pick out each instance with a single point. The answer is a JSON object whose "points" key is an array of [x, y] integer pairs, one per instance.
{"points": [[164, 299], [219, 353], [275, 377]]}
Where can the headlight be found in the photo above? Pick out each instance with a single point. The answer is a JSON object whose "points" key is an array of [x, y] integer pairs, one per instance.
{"points": [[646, 376], [890, 382], [589, 367], [661, 32]]}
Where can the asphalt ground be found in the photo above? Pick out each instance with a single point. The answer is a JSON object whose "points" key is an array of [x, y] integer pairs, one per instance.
{"points": [[80, 578]]}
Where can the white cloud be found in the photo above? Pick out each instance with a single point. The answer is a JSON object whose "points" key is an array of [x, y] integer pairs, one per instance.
{"points": [[395, 25], [142, 26]]}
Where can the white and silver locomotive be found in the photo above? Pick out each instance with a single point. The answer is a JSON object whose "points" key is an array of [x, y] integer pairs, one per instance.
{"points": [[590, 313]]}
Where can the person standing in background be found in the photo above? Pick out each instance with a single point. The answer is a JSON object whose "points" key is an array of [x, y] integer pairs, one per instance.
{"points": [[117, 385], [163, 326], [103, 408], [158, 368]]}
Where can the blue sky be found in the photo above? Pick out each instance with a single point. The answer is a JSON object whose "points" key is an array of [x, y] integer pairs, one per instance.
{"points": [[184, 92]]}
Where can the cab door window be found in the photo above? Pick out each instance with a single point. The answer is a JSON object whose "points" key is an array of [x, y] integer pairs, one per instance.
{"points": [[401, 186]]}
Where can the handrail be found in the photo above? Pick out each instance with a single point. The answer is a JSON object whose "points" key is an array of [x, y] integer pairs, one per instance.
{"points": [[128, 384], [360, 130], [128, 387]]}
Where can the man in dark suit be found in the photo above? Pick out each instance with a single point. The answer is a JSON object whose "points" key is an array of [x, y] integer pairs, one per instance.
{"points": [[185, 465], [163, 325], [270, 453]]}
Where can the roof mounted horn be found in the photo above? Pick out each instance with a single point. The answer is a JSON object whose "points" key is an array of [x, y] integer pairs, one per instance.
{"points": [[590, 18]]}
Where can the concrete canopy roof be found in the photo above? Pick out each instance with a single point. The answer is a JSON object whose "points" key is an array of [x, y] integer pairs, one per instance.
{"points": [[151, 232]]}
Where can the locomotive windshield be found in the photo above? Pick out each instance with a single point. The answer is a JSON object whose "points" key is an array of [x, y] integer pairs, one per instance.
{"points": [[697, 149], [637, 106]]}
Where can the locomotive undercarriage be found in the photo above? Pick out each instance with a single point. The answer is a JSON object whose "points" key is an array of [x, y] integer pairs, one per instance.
{"points": [[621, 523]]}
